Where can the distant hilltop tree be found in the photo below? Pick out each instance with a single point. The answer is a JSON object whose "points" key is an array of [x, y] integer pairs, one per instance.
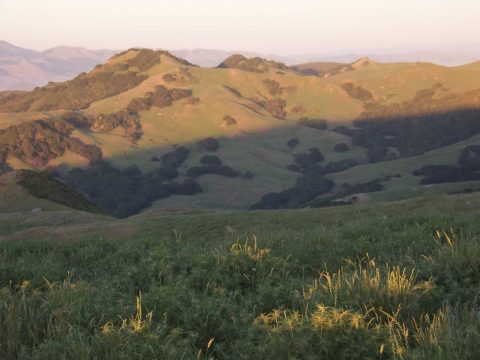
{"points": [[255, 64]]}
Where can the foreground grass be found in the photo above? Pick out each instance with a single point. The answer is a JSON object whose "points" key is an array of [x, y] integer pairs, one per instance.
{"points": [[277, 285]]}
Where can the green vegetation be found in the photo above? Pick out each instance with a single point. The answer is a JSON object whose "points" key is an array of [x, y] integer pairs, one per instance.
{"points": [[45, 186], [125, 193], [257, 115], [75, 94], [397, 281]]}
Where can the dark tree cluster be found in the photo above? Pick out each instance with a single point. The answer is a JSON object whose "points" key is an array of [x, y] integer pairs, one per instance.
{"points": [[208, 144], [319, 124], [145, 59], [292, 143], [308, 159], [125, 193], [341, 148], [358, 92], [210, 160], [183, 75], [255, 64], [348, 189], [307, 188], [467, 168], [276, 107], [423, 123], [75, 94], [415, 135], [273, 87], [126, 119], [338, 166], [44, 186], [438, 174], [38, 142], [175, 158], [161, 97], [330, 168]]}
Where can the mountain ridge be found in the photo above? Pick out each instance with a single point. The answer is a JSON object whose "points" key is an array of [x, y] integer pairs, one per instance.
{"points": [[255, 133]]}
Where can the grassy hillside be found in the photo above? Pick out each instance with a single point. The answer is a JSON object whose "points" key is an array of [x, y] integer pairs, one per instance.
{"points": [[27, 190], [391, 281], [252, 107]]}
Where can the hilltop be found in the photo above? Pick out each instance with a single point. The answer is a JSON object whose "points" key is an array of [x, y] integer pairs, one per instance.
{"points": [[148, 129]]}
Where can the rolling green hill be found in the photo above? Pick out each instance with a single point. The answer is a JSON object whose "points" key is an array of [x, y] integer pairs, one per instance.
{"points": [[133, 113]]}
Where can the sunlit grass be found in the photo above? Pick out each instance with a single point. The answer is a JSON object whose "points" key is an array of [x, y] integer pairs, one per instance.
{"points": [[302, 288]]}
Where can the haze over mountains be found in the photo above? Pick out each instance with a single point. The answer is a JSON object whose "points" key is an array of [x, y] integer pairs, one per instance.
{"points": [[24, 69]]}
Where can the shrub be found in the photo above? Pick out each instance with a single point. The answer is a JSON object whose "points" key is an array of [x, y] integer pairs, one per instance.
{"points": [[273, 87], [229, 120], [341, 147], [319, 124], [210, 160], [175, 159], [208, 144], [145, 59], [169, 77], [307, 188], [292, 143], [276, 107], [140, 104], [306, 160], [358, 92]]}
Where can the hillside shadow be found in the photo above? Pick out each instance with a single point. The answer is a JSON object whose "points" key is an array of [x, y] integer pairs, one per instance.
{"points": [[248, 165]]}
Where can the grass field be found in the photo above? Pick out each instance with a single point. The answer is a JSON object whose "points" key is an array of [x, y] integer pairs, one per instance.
{"points": [[390, 281]]}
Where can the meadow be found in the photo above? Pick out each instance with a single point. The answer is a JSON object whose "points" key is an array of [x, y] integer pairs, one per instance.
{"points": [[381, 281]]}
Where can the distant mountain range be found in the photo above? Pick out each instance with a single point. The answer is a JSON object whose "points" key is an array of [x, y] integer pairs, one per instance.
{"points": [[24, 69]]}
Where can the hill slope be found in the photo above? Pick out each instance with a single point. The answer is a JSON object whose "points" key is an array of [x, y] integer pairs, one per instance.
{"points": [[171, 134], [27, 190]]}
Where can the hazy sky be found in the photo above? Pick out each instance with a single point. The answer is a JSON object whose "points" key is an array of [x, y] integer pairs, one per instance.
{"points": [[267, 26]]}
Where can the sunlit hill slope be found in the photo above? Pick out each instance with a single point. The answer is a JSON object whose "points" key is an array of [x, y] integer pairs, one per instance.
{"points": [[150, 129]]}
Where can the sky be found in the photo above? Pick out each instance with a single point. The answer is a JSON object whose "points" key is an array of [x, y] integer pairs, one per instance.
{"points": [[268, 26]]}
